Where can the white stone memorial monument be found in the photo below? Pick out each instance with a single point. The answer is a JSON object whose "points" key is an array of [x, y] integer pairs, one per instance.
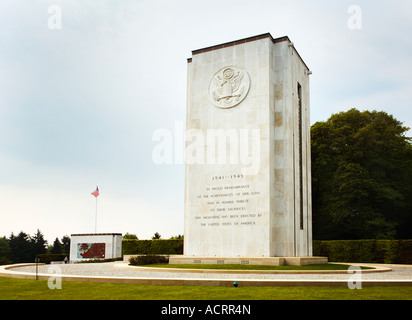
{"points": [[89, 246], [248, 173]]}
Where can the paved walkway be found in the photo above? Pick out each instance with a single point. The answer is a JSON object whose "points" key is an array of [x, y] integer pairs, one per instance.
{"points": [[120, 272]]}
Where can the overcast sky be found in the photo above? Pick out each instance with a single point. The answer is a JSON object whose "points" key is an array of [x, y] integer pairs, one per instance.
{"points": [[79, 104]]}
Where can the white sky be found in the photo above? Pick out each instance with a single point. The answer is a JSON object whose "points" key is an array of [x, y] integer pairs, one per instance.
{"points": [[79, 105]]}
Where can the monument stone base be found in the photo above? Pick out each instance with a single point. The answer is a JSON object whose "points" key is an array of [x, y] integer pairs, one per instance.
{"points": [[268, 261]]}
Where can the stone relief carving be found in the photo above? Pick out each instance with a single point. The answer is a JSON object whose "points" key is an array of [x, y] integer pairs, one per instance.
{"points": [[228, 87]]}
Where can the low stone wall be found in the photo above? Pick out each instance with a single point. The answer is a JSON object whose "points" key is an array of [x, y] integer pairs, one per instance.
{"points": [[271, 261]]}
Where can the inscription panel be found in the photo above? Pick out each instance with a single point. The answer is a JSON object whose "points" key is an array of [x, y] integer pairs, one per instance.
{"points": [[227, 201]]}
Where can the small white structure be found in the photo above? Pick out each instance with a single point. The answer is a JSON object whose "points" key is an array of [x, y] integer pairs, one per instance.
{"points": [[95, 246]]}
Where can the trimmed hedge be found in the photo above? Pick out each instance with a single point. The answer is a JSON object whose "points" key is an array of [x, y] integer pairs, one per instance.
{"points": [[373, 251], [47, 258], [148, 259], [156, 246]]}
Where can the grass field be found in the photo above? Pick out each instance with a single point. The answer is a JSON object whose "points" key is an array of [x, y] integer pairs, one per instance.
{"points": [[20, 289]]}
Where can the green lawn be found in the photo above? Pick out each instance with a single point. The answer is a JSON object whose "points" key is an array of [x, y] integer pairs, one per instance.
{"points": [[327, 266], [20, 289]]}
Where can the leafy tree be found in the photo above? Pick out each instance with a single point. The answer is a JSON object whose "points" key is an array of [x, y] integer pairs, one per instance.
{"points": [[49, 248], [156, 236], [130, 236], [57, 247], [178, 237], [361, 177], [4, 251], [39, 244], [4, 247], [66, 244], [21, 248]]}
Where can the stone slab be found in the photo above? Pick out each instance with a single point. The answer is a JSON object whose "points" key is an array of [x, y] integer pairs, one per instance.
{"points": [[270, 261]]}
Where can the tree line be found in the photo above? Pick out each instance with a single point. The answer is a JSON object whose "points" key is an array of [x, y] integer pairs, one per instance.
{"points": [[24, 248], [156, 236]]}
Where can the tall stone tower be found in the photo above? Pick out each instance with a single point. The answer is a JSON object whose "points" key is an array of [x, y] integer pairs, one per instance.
{"points": [[248, 171]]}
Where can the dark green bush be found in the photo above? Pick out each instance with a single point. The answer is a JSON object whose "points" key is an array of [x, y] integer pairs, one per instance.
{"points": [[47, 258], [373, 251], [404, 252], [148, 259], [4, 260], [156, 246]]}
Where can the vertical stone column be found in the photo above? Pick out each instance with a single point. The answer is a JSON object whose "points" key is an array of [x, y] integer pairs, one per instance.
{"points": [[247, 184]]}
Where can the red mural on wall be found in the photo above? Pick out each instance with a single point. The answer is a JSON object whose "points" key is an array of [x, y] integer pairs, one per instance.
{"points": [[92, 250]]}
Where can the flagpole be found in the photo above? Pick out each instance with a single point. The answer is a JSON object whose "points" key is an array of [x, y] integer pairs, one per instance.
{"points": [[95, 219], [96, 194]]}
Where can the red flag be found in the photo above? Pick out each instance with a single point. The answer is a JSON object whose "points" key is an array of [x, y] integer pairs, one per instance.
{"points": [[96, 192]]}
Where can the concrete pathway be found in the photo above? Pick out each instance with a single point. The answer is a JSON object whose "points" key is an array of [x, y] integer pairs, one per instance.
{"points": [[120, 272]]}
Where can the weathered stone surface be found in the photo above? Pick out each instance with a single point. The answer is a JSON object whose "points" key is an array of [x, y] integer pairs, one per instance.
{"points": [[248, 151]]}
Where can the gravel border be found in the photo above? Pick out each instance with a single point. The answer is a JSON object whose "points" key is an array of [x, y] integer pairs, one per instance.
{"points": [[122, 270]]}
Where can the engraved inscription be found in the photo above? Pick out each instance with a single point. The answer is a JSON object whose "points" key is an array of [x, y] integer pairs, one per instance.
{"points": [[231, 203]]}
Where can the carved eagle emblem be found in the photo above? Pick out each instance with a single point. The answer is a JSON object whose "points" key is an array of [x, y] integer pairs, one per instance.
{"points": [[229, 87]]}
